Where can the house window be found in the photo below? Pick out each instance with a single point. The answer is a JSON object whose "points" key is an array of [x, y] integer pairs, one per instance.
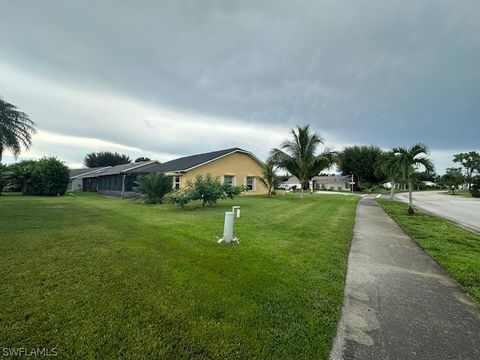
{"points": [[229, 180], [250, 183], [176, 182]]}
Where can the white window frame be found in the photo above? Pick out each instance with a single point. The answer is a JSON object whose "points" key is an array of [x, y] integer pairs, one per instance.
{"points": [[175, 182], [234, 179], [254, 183]]}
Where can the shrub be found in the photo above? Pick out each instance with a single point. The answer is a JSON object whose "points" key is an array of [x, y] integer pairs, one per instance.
{"points": [[206, 188], [54, 176], [475, 188], [47, 176], [230, 191], [154, 187], [180, 197]]}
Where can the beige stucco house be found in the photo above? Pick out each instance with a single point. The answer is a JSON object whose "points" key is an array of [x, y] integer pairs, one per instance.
{"points": [[233, 166]]}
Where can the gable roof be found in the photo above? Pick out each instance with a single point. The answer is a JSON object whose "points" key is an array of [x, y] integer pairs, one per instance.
{"points": [[190, 162], [76, 173]]}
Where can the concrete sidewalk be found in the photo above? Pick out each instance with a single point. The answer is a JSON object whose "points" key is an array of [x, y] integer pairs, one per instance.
{"points": [[399, 303]]}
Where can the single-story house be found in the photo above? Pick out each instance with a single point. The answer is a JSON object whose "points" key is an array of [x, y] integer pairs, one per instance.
{"points": [[233, 166], [76, 182], [331, 182]]}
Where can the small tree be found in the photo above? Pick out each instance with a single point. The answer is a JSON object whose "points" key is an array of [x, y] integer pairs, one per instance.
{"points": [[269, 177], [389, 166], [141, 158], [208, 189], [54, 176], [453, 178], [154, 187], [299, 156], [470, 162], [408, 161]]}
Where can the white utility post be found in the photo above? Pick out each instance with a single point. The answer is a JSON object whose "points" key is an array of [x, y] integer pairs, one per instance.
{"points": [[236, 210], [228, 227]]}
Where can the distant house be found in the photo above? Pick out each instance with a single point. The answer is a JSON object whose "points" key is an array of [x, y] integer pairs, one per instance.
{"points": [[233, 166], [76, 182], [330, 182]]}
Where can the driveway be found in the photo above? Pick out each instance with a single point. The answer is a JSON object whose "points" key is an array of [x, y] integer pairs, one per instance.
{"points": [[459, 209]]}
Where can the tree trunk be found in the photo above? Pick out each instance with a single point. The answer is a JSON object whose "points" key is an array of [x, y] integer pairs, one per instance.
{"points": [[392, 189], [410, 194], [301, 193]]}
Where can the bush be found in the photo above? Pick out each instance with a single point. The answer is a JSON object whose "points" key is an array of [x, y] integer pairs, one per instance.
{"points": [[475, 188], [180, 197], [154, 187], [54, 176], [47, 176], [206, 188]]}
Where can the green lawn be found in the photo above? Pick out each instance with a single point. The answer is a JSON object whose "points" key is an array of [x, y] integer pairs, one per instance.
{"points": [[103, 278], [457, 250], [464, 193]]}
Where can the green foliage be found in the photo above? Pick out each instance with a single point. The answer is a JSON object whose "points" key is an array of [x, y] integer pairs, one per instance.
{"points": [[180, 197], [231, 192], [3, 177], [47, 176], [54, 176], [206, 188], [16, 129], [105, 158], [470, 162], [363, 162], [475, 188], [154, 187], [299, 157], [453, 177], [269, 176], [141, 158]]}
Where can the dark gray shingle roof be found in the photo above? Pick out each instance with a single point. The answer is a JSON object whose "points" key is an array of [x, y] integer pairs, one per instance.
{"points": [[125, 168], [188, 162], [86, 171]]}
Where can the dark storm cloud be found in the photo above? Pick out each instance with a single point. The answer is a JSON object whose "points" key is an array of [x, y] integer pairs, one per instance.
{"points": [[384, 72]]}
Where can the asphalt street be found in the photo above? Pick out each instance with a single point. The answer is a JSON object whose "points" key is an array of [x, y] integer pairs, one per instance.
{"points": [[462, 210]]}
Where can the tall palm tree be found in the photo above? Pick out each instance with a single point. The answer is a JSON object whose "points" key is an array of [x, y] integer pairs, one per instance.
{"points": [[269, 177], [16, 129], [299, 156], [408, 161], [389, 166]]}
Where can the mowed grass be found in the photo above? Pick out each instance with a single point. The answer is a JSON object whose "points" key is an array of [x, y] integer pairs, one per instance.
{"points": [[103, 278], [457, 250]]}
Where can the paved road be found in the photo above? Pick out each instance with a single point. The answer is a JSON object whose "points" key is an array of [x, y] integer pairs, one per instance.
{"points": [[399, 303], [459, 209]]}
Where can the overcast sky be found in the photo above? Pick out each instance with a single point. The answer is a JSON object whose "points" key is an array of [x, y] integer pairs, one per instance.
{"points": [[164, 79]]}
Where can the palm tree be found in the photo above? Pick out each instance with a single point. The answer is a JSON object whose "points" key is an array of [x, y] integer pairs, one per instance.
{"points": [[389, 166], [16, 129], [408, 161], [299, 157], [269, 177]]}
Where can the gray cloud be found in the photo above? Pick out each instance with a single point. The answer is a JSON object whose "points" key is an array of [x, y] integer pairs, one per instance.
{"points": [[384, 72]]}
